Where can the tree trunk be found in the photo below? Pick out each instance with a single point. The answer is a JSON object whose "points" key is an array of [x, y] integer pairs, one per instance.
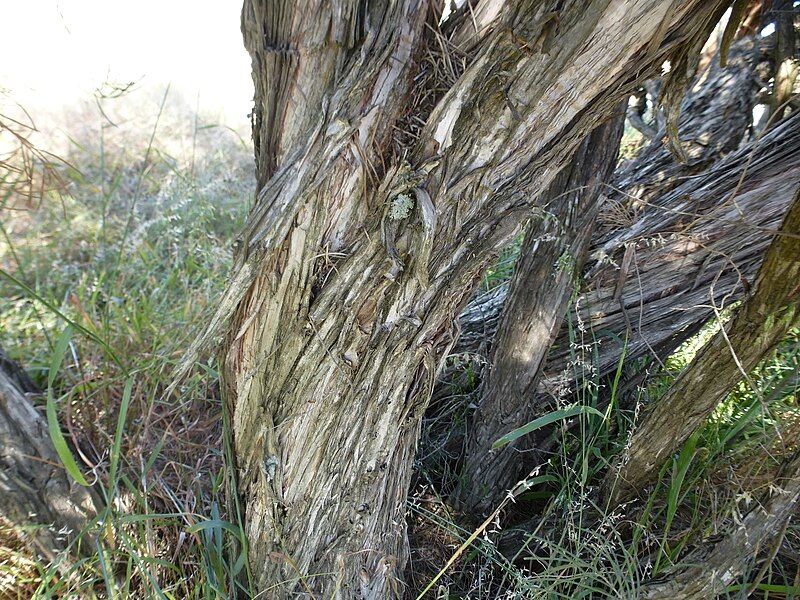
{"points": [[755, 329], [365, 243], [716, 566], [715, 117], [35, 491], [551, 257], [787, 65]]}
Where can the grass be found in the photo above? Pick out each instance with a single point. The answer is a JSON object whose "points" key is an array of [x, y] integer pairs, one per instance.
{"points": [[126, 257], [111, 274]]}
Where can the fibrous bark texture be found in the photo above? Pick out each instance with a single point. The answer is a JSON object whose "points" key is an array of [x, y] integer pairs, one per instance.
{"points": [[551, 258], [715, 116], [716, 566], [360, 251], [35, 492], [700, 246], [755, 329]]}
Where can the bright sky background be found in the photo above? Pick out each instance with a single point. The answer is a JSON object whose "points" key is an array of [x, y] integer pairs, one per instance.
{"points": [[57, 52]]}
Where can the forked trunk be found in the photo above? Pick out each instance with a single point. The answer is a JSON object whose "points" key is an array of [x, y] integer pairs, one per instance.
{"points": [[365, 244]]}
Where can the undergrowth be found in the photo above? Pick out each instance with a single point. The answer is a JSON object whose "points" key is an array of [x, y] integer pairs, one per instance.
{"points": [[556, 539], [129, 253]]}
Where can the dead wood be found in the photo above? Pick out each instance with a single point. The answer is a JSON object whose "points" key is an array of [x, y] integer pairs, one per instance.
{"points": [[551, 259], [37, 499], [639, 232], [754, 330]]}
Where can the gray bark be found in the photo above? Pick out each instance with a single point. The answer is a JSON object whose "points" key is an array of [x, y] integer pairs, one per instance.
{"points": [[551, 259], [666, 303], [360, 251], [755, 329], [714, 119], [37, 498]]}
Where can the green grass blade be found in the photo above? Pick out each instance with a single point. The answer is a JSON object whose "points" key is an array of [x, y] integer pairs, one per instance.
{"points": [[60, 443], [556, 415], [39, 298], [57, 357], [116, 449], [53, 428], [214, 524]]}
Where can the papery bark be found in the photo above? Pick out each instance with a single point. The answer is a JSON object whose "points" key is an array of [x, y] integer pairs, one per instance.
{"points": [[639, 211]]}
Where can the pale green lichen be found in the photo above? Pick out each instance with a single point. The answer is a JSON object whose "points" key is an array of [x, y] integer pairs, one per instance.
{"points": [[401, 207]]}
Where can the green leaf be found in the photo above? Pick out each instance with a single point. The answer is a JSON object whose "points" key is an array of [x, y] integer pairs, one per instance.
{"points": [[58, 355], [116, 449], [556, 415], [53, 428], [214, 524], [61, 444]]}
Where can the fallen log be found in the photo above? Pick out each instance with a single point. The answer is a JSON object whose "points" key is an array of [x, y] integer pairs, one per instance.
{"points": [[755, 329]]}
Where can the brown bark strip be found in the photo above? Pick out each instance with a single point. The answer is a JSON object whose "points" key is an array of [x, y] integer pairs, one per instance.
{"points": [[336, 335], [35, 491], [551, 258], [713, 568], [755, 329]]}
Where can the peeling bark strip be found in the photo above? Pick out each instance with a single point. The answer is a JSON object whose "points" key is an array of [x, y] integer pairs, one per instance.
{"points": [[551, 259], [719, 565], [755, 329], [34, 488], [342, 309]]}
